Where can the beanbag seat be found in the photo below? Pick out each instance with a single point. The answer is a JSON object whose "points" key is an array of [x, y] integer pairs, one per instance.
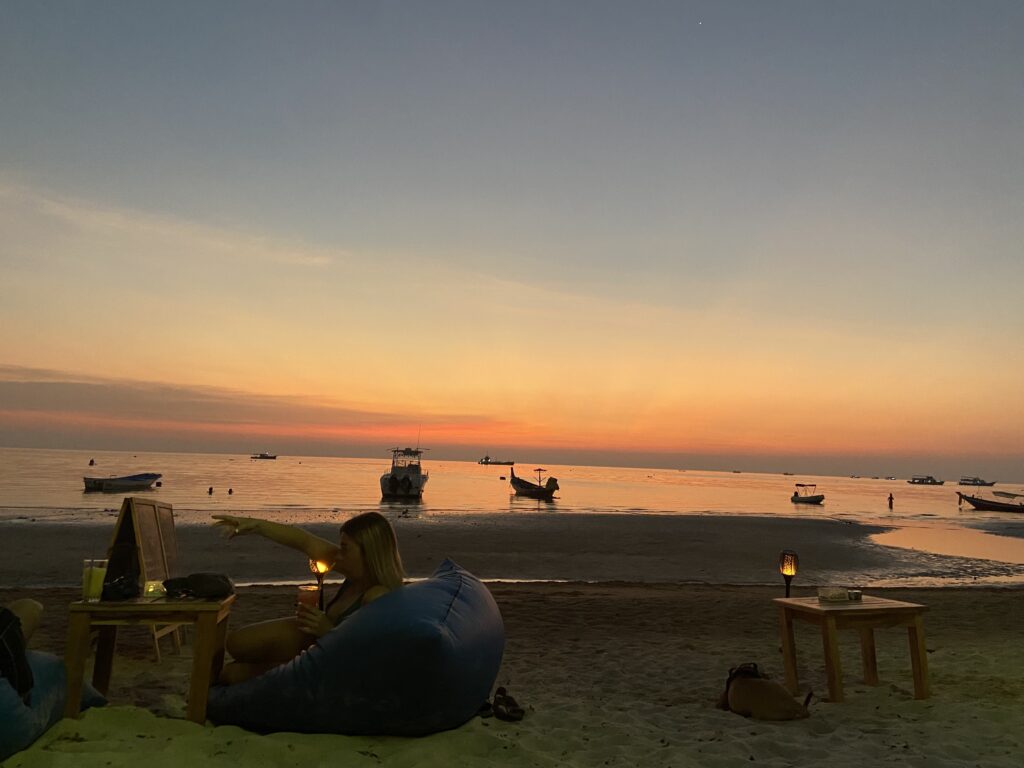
{"points": [[20, 723], [420, 659]]}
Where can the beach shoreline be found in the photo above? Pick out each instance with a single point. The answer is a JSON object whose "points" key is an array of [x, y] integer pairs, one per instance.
{"points": [[702, 549]]}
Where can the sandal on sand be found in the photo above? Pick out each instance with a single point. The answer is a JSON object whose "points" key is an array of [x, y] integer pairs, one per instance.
{"points": [[506, 708], [486, 710]]}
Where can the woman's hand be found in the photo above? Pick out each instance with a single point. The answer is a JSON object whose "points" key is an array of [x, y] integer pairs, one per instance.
{"points": [[237, 526], [312, 621]]}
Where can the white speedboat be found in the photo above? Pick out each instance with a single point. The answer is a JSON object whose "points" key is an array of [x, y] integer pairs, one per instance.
{"points": [[406, 479]]}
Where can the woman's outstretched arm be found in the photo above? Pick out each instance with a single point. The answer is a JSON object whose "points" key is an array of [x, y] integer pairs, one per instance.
{"points": [[289, 535]]}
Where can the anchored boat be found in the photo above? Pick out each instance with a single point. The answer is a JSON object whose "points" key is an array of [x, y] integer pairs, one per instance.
{"points": [[807, 493], [495, 462], [974, 481], [991, 505], [141, 482], [924, 480], [405, 479], [545, 492]]}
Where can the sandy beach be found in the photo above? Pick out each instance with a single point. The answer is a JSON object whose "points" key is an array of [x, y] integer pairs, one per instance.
{"points": [[618, 673]]}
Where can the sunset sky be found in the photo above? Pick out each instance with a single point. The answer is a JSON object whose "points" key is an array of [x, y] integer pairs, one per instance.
{"points": [[776, 235]]}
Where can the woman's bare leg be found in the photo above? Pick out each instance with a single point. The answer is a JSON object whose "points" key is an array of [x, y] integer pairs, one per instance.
{"points": [[268, 642], [29, 612]]}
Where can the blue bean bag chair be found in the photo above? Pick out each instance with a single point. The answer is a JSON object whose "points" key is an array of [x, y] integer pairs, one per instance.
{"points": [[20, 723], [420, 659]]}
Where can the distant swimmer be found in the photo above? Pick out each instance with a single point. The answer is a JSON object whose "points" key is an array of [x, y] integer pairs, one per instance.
{"points": [[230, 491], [210, 490]]}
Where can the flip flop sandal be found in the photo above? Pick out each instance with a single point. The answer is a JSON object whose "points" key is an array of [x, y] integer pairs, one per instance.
{"points": [[486, 710], [506, 708]]}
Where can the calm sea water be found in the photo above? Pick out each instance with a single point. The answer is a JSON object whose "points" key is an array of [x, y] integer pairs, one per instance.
{"points": [[47, 485]]}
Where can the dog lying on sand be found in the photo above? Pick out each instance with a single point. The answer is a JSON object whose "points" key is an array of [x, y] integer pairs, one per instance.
{"points": [[750, 693]]}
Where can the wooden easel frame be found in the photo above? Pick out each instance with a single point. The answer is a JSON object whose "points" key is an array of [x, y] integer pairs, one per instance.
{"points": [[144, 541]]}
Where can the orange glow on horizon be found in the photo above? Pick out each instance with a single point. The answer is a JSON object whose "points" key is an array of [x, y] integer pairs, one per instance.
{"points": [[647, 435]]}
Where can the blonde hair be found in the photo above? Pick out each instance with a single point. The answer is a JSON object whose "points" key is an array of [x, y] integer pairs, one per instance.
{"points": [[376, 539]]}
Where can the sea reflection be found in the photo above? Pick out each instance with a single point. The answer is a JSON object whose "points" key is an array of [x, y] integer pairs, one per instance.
{"points": [[958, 542]]}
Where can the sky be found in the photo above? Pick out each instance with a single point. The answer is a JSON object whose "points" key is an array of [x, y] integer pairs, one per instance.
{"points": [[755, 235]]}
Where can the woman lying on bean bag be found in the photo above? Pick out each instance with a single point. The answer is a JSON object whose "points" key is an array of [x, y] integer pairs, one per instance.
{"points": [[416, 660]]}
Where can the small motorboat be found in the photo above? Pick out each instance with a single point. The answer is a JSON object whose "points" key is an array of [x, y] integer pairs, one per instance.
{"points": [[142, 482], [807, 493], [495, 462], [924, 480], [545, 492], [263, 456], [974, 481], [991, 505], [406, 478]]}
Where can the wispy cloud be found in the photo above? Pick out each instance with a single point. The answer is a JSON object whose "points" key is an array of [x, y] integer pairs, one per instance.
{"points": [[188, 237], [37, 395]]}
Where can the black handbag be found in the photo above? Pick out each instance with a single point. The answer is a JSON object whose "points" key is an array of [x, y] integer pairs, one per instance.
{"points": [[122, 588], [207, 586]]}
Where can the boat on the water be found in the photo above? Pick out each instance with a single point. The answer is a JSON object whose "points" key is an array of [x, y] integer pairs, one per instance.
{"points": [[141, 482], [495, 462], [263, 456], [545, 491], [807, 493], [406, 478], [974, 481], [924, 480], [991, 505]]}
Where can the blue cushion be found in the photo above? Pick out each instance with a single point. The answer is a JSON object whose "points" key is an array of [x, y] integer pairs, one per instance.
{"points": [[20, 723], [420, 659]]}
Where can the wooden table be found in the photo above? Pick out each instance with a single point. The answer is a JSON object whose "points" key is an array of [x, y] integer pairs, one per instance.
{"points": [[209, 617], [864, 615]]}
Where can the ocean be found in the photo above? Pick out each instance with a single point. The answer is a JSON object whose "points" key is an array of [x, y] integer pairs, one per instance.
{"points": [[46, 486]]}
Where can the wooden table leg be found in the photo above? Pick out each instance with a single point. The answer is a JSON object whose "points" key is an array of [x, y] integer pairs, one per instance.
{"points": [[204, 651], [104, 659], [789, 650], [918, 658], [219, 649], [833, 666], [867, 653], [75, 651]]}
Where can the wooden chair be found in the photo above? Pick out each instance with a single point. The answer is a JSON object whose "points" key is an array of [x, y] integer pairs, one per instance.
{"points": [[144, 543]]}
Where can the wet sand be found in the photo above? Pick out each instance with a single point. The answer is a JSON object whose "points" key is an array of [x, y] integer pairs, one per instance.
{"points": [[632, 548]]}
